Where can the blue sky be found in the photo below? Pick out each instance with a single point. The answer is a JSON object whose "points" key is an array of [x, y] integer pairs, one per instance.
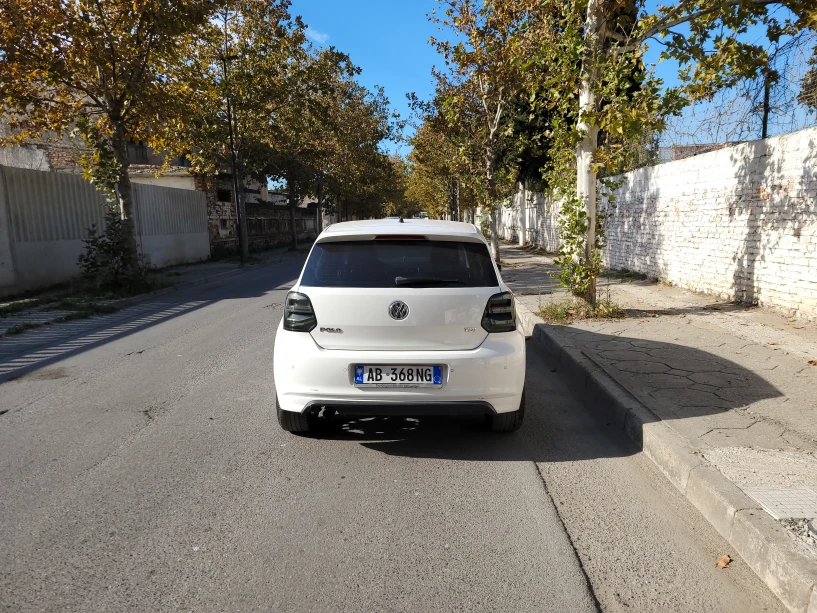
{"points": [[386, 38]]}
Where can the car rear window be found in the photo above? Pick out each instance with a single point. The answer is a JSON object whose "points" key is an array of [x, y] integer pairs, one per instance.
{"points": [[392, 263]]}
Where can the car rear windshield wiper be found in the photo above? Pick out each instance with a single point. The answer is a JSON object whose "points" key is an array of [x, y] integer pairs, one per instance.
{"points": [[424, 281]]}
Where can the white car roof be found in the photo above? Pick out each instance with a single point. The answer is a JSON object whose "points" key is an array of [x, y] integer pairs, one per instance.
{"points": [[430, 228]]}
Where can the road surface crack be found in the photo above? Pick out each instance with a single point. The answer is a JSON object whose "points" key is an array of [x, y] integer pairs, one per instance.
{"points": [[590, 589]]}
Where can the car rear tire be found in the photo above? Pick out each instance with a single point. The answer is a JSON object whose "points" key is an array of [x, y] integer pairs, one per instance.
{"points": [[293, 422], [508, 422]]}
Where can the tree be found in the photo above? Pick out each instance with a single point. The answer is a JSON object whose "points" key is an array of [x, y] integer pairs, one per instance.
{"points": [[808, 87], [302, 136], [358, 174], [772, 102], [97, 67], [446, 163], [592, 48], [431, 169], [482, 77], [230, 84]]}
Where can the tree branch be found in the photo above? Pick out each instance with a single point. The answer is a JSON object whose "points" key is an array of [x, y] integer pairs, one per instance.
{"points": [[669, 22]]}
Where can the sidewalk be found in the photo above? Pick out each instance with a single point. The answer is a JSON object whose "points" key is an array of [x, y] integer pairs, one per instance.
{"points": [[732, 384]]}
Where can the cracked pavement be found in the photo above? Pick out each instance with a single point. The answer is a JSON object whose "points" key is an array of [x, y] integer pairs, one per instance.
{"points": [[733, 380]]}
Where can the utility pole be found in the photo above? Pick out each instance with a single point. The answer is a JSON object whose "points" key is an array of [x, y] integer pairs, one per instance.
{"points": [[767, 90], [241, 223]]}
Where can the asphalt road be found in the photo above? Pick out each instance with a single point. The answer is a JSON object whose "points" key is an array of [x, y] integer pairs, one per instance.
{"points": [[142, 469]]}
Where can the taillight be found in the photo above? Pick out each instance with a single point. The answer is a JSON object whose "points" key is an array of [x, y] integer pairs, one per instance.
{"points": [[499, 315], [299, 316]]}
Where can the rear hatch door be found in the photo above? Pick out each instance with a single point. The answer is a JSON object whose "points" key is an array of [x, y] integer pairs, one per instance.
{"points": [[399, 294]]}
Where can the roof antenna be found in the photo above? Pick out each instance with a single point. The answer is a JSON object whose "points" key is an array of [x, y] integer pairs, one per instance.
{"points": [[401, 219]]}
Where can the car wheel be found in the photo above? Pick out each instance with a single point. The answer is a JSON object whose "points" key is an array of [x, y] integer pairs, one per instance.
{"points": [[509, 422], [293, 422]]}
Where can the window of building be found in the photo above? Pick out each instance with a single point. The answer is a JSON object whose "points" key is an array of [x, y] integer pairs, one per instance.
{"points": [[225, 195]]}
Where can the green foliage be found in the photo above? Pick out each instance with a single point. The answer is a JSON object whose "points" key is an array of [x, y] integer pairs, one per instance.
{"points": [[105, 266], [485, 225], [577, 272], [578, 309], [80, 305], [99, 69], [808, 87], [20, 328], [584, 73], [17, 307], [99, 163]]}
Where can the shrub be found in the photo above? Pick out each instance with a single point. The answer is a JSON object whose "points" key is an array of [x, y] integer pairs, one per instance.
{"points": [[108, 266]]}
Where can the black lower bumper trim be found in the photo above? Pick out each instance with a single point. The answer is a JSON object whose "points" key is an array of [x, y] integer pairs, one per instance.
{"points": [[400, 409]]}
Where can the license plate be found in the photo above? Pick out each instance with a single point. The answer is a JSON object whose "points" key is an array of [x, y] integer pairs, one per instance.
{"points": [[398, 376]]}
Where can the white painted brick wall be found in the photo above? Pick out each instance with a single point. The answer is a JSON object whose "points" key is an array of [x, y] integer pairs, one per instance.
{"points": [[738, 223]]}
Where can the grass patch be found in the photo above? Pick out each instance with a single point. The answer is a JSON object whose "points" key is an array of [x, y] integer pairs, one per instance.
{"points": [[20, 328], [623, 274], [567, 312], [16, 307], [81, 304], [74, 315], [537, 250], [88, 310]]}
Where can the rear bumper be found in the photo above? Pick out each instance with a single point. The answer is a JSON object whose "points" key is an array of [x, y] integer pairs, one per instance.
{"points": [[402, 409], [488, 379]]}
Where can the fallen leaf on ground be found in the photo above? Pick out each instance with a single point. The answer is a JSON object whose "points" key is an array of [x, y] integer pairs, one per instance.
{"points": [[723, 561], [799, 327], [813, 362], [771, 342]]}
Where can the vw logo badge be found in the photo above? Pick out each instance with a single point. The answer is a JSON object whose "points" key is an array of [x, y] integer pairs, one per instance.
{"points": [[398, 310]]}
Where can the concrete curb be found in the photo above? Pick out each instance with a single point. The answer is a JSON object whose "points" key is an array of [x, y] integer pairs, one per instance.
{"points": [[762, 543]]}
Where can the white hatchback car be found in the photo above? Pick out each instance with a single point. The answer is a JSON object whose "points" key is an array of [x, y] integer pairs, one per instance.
{"points": [[399, 318]]}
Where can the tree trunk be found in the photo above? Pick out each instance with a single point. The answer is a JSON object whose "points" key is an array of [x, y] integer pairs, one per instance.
{"points": [[124, 191], [293, 230], [454, 200], [494, 237], [242, 220], [490, 164], [319, 227], [523, 214], [585, 174]]}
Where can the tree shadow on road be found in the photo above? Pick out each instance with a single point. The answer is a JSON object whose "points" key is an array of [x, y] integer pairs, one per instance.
{"points": [[29, 352]]}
